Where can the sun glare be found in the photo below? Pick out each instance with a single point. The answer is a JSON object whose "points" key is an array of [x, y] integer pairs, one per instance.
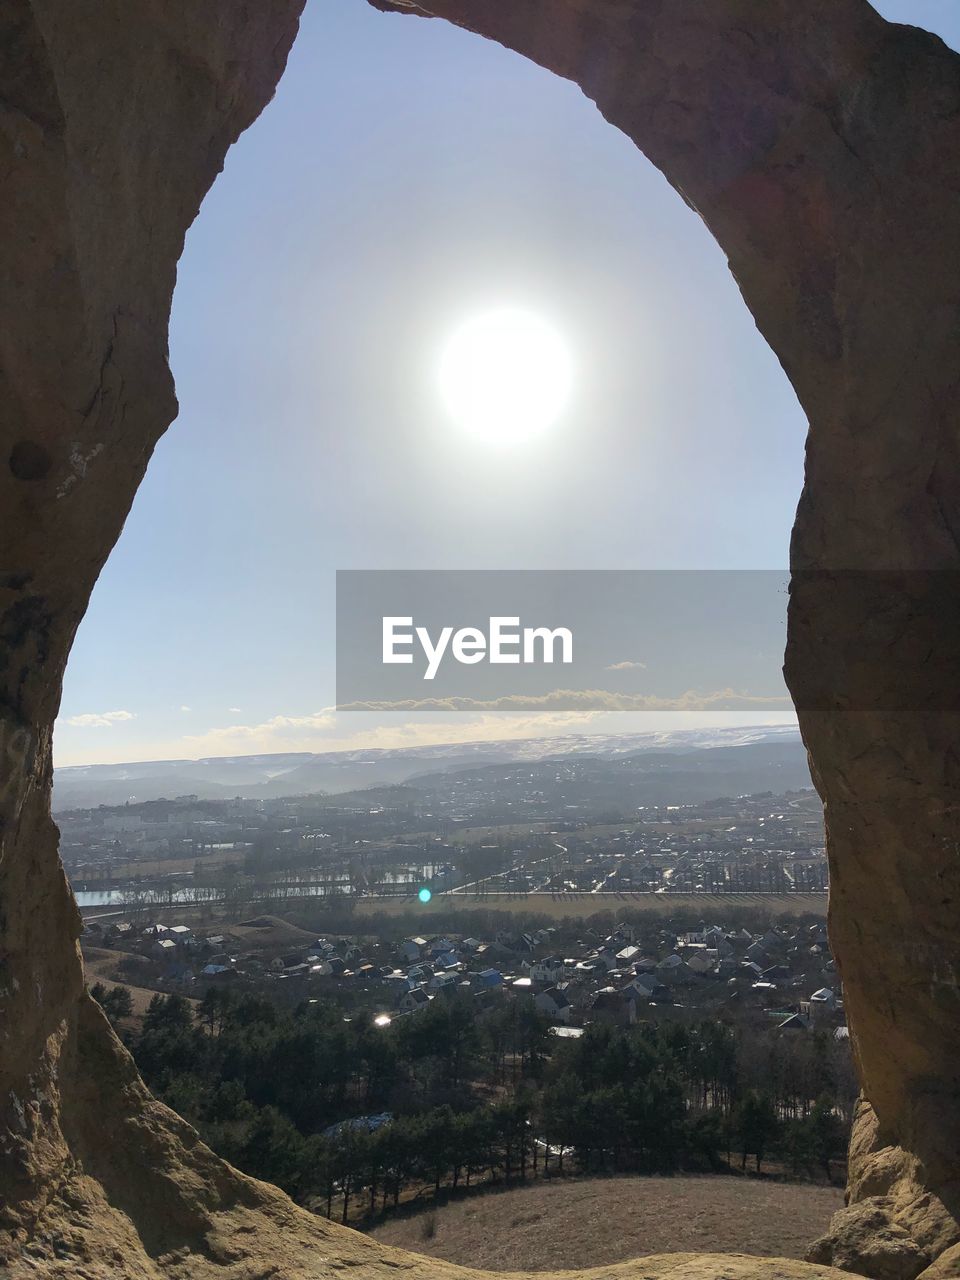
{"points": [[505, 376]]}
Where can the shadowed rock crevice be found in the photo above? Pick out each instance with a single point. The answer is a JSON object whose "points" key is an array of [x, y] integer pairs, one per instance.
{"points": [[819, 144]]}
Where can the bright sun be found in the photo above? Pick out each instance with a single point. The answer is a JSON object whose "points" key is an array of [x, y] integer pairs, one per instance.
{"points": [[505, 376]]}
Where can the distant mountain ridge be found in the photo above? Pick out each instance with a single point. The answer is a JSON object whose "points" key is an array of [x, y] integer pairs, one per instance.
{"points": [[309, 773]]}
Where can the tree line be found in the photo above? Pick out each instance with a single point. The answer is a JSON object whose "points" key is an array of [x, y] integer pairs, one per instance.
{"points": [[351, 1116]]}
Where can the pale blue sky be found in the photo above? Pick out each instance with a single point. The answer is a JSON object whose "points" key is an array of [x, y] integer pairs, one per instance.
{"points": [[409, 175]]}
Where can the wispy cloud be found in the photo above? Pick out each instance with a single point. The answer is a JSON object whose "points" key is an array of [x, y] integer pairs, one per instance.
{"points": [[628, 665], [99, 719], [185, 708], [326, 730], [279, 733], [584, 700], [235, 710]]}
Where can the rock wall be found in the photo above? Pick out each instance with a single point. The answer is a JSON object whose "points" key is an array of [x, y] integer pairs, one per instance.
{"points": [[819, 145], [114, 121]]}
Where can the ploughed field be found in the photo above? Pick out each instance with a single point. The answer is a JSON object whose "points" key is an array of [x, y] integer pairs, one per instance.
{"points": [[711, 906], [564, 1224]]}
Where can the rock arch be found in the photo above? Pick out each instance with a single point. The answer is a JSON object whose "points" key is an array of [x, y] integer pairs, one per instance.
{"points": [[819, 144]]}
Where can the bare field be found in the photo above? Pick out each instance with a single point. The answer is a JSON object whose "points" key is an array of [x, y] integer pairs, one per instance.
{"points": [[557, 1225], [103, 965], [566, 906], [148, 867], [269, 933]]}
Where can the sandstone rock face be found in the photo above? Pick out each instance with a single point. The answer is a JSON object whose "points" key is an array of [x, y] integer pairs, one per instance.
{"points": [[820, 146], [114, 120]]}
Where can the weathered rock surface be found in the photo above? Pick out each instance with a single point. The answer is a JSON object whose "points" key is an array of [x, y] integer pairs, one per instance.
{"points": [[865, 1237], [114, 120], [142, 1197], [894, 1224], [820, 146]]}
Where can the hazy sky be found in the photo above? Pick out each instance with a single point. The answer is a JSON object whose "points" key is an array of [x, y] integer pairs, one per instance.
{"points": [[407, 177]]}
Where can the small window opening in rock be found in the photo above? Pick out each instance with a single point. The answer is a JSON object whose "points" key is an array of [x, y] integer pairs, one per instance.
{"points": [[29, 461]]}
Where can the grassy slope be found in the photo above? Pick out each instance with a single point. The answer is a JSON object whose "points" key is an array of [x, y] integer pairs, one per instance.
{"points": [[570, 1224]]}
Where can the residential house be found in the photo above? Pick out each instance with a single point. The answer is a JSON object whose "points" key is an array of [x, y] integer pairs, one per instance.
{"points": [[552, 969], [554, 1004], [413, 1000], [412, 948], [442, 982], [766, 992], [796, 1022], [440, 947], [778, 973], [164, 949], [488, 951], [759, 954], [612, 1006], [822, 1004], [645, 987], [673, 971]]}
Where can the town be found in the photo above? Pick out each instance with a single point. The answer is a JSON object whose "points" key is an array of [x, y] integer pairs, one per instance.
{"points": [[358, 1066], [390, 896], [566, 826], [642, 970], [457, 947]]}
